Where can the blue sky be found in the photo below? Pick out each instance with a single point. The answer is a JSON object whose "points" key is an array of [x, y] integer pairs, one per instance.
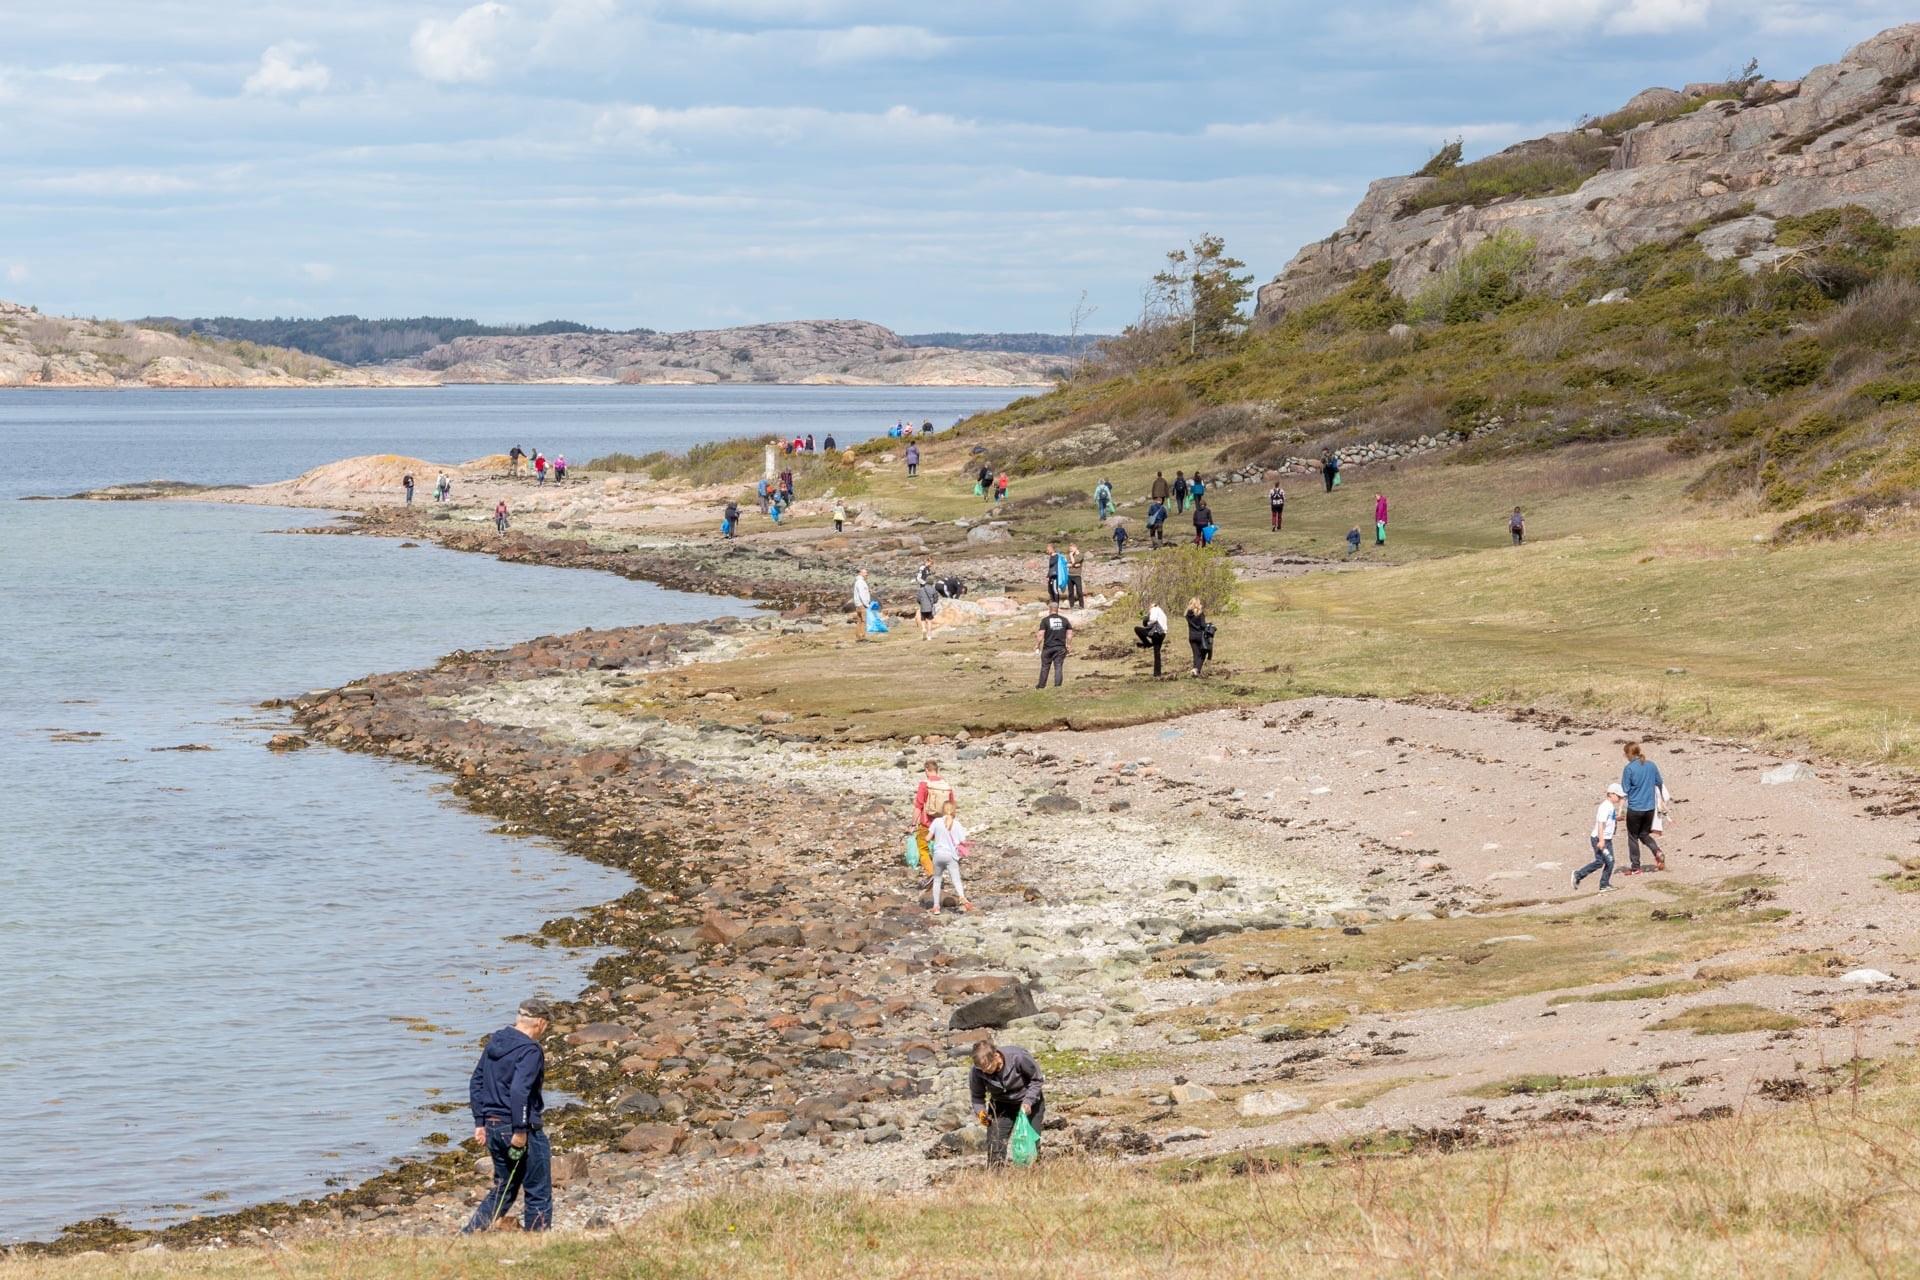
{"points": [[974, 164]]}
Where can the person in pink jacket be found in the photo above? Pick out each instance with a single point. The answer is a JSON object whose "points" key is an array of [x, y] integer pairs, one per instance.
{"points": [[1379, 519]]}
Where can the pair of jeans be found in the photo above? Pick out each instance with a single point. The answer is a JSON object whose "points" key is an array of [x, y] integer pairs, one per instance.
{"points": [[1000, 1130], [1602, 862], [1054, 660], [530, 1173]]}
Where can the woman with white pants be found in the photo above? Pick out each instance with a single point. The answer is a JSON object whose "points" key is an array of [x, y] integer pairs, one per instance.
{"points": [[947, 837]]}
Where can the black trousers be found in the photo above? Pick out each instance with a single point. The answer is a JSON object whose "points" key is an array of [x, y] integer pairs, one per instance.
{"points": [[1075, 595], [1154, 640], [1054, 660], [1199, 655], [1000, 1131], [1639, 832]]}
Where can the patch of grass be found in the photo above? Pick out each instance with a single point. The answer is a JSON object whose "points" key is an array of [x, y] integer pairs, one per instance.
{"points": [[1906, 877], [1541, 168], [1416, 964], [1067, 1063], [1728, 1020], [1535, 1085], [1647, 991]]}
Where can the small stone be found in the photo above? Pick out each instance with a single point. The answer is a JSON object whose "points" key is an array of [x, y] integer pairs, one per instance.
{"points": [[1185, 1095], [1788, 773]]}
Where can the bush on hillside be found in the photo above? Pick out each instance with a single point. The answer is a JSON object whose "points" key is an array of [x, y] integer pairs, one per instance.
{"points": [[1443, 161], [1172, 576], [1544, 168], [1486, 280]]}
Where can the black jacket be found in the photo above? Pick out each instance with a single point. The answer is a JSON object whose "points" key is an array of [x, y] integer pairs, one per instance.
{"points": [[506, 1081], [1202, 516], [1198, 632]]}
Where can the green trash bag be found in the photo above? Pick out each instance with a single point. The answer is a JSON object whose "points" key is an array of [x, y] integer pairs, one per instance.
{"points": [[979, 490], [1024, 1146], [912, 852]]}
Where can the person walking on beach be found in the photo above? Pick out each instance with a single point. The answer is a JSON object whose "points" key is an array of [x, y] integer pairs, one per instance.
{"points": [[1156, 522], [1353, 542], [1600, 840], [406, 484], [927, 598], [931, 794], [442, 487], [1379, 519], [1161, 490], [862, 603], [839, 515], [1277, 505], [1152, 634], [505, 1096], [560, 469], [828, 444], [913, 460], [809, 442], [539, 468], [1517, 527], [1199, 635], [1103, 499], [1646, 793], [1179, 490], [1330, 469], [730, 519], [515, 456], [1005, 1083], [1055, 636], [1198, 489], [500, 517], [948, 840], [1203, 526], [1076, 592]]}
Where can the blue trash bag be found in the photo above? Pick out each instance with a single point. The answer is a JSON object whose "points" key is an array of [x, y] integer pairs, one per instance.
{"points": [[876, 625]]}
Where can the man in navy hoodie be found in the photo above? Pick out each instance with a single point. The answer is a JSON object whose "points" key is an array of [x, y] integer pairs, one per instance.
{"points": [[507, 1107]]}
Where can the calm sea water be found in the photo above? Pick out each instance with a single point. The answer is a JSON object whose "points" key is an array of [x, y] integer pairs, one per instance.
{"points": [[233, 975]]}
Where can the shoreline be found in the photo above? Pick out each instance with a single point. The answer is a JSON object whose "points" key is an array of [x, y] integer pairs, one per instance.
{"points": [[608, 743], [434, 385]]}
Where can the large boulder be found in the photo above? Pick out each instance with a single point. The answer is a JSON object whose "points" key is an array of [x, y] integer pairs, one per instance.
{"points": [[995, 1009], [982, 535]]}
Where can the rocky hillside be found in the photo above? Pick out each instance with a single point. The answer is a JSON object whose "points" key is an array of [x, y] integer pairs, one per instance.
{"points": [[60, 351], [847, 352], [1753, 150]]}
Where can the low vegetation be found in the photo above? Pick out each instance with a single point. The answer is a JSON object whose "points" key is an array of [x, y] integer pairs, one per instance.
{"points": [[1728, 1020], [1822, 1186]]}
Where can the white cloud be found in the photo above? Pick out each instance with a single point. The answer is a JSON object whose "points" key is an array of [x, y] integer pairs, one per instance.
{"points": [[464, 49], [285, 69], [17, 273], [113, 182], [318, 272], [1301, 130], [1614, 17], [879, 44]]}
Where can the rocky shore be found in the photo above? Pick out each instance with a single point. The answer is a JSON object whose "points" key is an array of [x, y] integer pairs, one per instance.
{"points": [[1324, 925]]}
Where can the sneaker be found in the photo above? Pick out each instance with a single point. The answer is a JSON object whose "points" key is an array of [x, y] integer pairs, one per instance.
{"points": [[1575, 875], [1605, 888]]}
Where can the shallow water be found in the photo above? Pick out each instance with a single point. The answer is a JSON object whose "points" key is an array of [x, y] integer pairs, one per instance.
{"points": [[234, 973]]}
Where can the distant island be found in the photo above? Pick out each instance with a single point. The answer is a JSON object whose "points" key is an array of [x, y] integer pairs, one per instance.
{"points": [[348, 351]]}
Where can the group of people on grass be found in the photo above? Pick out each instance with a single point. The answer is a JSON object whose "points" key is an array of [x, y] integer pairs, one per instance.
{"points": [[1642, 801]]}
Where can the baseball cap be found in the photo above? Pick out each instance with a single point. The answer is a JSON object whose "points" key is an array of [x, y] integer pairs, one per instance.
{"points": [[1615, 789], [536, 1008]]}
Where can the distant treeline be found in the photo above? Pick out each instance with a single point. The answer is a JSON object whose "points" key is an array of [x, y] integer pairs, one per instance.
{"points": [[1032, 344], [352, 340]]}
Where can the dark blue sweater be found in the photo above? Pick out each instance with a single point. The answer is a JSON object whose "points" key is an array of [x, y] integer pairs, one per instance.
{"points": [[506, 1080]]}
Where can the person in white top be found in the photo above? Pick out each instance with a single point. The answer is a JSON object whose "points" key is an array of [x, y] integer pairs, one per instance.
{"points": [[862, 597], [1152, 634], [1600, 839], [947, 837]]}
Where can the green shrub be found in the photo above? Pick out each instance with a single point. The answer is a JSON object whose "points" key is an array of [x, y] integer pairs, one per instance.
{"points": [[1540, 168], [1443, 161], [626, 462], [1891, 391], [1797, 364], [1486, 280], [1173, 576]]}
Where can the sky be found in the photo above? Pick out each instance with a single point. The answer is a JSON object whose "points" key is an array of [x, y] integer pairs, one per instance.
{"points": [[969, 165]]}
